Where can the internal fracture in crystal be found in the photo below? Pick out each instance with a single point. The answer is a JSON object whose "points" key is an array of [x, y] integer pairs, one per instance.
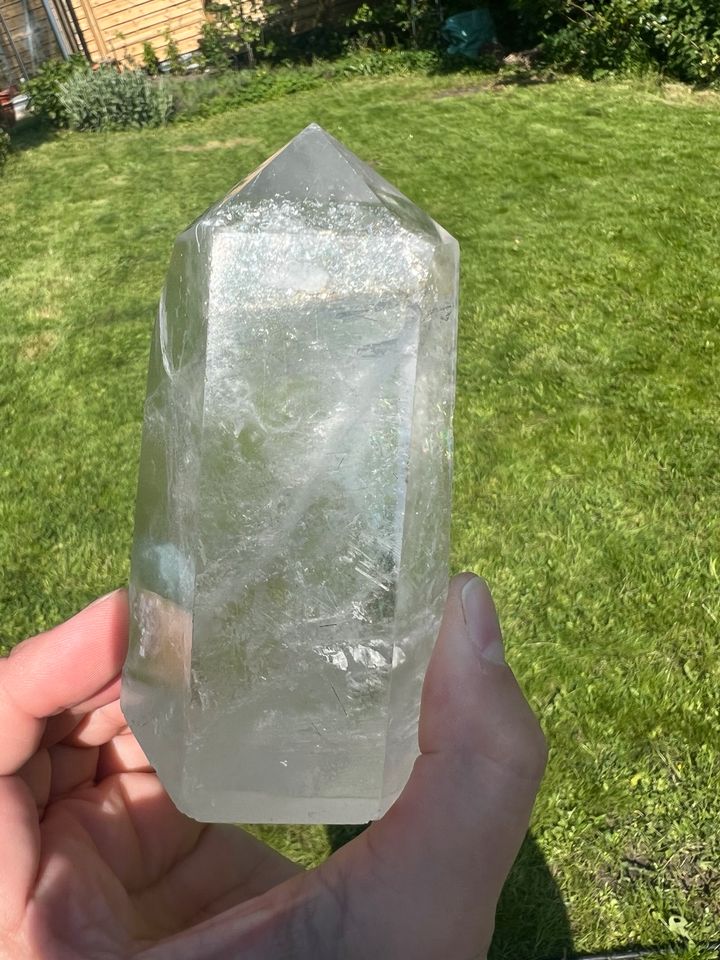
{"points": [[291, 538]]}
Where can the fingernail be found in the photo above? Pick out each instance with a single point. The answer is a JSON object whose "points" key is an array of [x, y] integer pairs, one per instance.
{"points": [[102, 599], [481, 620]]}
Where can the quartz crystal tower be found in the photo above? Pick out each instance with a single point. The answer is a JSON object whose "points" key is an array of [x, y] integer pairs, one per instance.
{"points": [[290, 557]]}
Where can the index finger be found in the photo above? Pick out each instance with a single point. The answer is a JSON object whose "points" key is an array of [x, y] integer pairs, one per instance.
{"points": [[71, 665]]}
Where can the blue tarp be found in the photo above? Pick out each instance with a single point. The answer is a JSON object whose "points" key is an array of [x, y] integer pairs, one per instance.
{"points": [[467, 33]]}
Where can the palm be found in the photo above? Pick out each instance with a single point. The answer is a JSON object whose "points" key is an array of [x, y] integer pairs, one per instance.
{"points": [[119, 867], [93, 884]]}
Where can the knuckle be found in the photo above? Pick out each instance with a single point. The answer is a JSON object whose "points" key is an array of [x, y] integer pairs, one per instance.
{"points": [[528, 749]]}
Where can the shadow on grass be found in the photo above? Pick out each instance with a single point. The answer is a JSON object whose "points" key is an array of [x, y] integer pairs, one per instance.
{"points": [[532, 922], [30, 133]]}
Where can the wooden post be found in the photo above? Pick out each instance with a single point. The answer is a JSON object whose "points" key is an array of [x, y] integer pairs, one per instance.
{"points": [[98, 36]]}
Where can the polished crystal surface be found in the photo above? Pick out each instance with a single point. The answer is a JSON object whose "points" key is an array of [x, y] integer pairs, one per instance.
{"points": [[291, 538]]}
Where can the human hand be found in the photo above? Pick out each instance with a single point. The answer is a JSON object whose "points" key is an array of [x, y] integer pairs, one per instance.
{"points": [[97, 863]]}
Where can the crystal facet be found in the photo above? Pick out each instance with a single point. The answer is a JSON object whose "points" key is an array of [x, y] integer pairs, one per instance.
{"points": [[291, 537]]}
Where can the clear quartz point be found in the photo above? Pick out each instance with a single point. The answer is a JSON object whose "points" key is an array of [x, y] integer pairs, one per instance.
{"points": [[290, 556]]}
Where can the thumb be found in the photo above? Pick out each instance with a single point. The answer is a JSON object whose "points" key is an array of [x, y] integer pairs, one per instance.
{"points": [[471, 702], [436, 862]]}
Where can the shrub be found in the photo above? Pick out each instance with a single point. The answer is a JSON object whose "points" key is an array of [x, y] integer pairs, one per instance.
{"points": [[4, 147], [44, 88], [398, 23], [238, 31], [173, 59], [110, 100], [243, 33], [681, 38], [151, 63], [211, 47]]}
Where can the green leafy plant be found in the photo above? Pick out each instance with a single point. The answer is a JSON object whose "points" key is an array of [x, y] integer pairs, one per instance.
{"points": [[397, 23], [172, 56], [212, 49], [679, 38], [150, 61], [44, 88], [684, 36], [238, 29], [111, 100], [4, 147]]}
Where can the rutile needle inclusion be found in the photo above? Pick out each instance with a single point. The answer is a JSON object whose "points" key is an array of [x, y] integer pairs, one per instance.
{"points": [[290, 555]]}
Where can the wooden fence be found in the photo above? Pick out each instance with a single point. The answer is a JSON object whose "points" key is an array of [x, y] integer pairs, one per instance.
{"points": [[117, 29]]}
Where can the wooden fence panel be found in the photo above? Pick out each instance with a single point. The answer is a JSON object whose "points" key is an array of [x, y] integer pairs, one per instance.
{"points": [[122, 26], [117, 29]]}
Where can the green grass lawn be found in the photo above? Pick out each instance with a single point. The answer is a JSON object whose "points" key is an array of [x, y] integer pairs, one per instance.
{"points": [[587, 484]]}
